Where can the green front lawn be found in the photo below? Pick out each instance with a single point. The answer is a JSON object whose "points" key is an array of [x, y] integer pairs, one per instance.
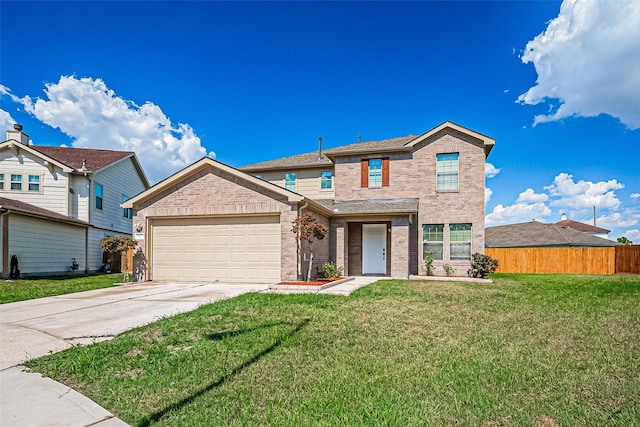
{"points": [[528, 350], [24, 289]]}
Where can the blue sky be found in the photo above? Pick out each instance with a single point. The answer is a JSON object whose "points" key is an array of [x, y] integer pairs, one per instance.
{"points": [[557, 84]]}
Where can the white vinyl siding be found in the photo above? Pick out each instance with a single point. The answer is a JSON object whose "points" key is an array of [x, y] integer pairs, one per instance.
{"points": [[447, 172], [308, 182], [224, 249], [44, 246], [118, 179], [54, 190]]}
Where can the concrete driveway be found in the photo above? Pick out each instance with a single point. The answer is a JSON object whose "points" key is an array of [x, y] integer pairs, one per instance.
{"points": [[34, 328]]}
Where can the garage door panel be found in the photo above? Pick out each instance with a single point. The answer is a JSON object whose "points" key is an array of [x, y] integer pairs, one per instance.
{"points": [[216, 249]]}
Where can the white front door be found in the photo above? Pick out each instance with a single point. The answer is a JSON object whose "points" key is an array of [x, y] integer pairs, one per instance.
{"points": [[374, 249]]}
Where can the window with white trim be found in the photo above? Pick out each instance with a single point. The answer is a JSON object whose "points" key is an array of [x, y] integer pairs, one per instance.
{"points": [[460, 241], [447, 172], [433, 239], [375, 172], [290, 181], [34, 182], [99, 196], [326, 180], [1, 181], [16, 182]]}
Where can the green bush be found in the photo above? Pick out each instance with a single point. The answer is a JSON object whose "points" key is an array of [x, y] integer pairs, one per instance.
{"points": [[428, 263], [330, 269], [449, 270], [481, 265]]}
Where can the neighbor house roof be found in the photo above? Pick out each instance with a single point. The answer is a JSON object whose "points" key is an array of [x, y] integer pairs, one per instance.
{"points": [[581, 226], [537, 234], [403, 143], [31, 210]]}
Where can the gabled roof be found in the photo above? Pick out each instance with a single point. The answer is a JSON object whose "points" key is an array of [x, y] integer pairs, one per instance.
{"points": [[79, 160], [537, 234], [208, 162], [31, 210], [403, 143], [581, 226]]}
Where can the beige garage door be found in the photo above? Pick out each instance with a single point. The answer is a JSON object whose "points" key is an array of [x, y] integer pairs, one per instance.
{"points": [[224, 249]]}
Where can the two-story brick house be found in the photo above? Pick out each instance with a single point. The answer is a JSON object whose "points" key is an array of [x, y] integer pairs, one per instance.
{"points": [[57, 203], [385, 203]]}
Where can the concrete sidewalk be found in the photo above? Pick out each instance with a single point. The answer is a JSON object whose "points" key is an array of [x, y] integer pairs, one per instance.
{"points": [[34, 328]]}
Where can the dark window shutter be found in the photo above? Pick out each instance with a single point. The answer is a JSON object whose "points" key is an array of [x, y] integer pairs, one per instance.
{"points": [[385, 172], [364, 173]]}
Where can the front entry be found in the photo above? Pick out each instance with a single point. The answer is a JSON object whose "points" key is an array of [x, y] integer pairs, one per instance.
{"points": [[374, 249]]}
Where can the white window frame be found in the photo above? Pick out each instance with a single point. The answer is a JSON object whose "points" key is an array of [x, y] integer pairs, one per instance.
{"points": [[290, 184], [458, 239], [1, 181], [375, 174], [429, 244], [37, 183], [447, 172], [16, 182], [326, 182]]}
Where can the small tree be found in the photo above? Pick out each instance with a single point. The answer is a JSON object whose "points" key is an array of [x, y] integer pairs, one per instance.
{"points": [[119, 245], [624, 240], [309, 230], [428, 263]]}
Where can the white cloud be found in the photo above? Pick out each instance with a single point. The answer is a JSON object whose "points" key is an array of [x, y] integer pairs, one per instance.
{"points": [[490, 171], [587, 58], [583, 194], [519, 212], [633, 235], [487, 194], [95, 117], [529, 196], [617, 219], [635, 195], [6, 123]]}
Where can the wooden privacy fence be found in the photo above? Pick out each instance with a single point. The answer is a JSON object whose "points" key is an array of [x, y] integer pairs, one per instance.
{"points": [[608, 260]]}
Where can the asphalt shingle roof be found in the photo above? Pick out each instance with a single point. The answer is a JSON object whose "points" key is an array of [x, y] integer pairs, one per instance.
{"points": [[313, 160], [581, 226], [537, 234], [382, 206], [16, 205], [74, 157]]}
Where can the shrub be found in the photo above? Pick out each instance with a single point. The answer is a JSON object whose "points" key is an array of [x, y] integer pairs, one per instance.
{"points": [[330, 269], [449, 270], [481, 265], [428, 263]]}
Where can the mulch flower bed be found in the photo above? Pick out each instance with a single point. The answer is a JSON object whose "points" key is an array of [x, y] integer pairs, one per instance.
{"points": [[318, 282]]}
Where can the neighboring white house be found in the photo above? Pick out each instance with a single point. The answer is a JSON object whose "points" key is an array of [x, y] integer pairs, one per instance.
{"points": [[57, 203]]}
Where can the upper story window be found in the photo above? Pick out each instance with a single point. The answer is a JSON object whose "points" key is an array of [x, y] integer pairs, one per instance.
{"points": [[447, 172], [326, 180], [374, 172], [1, 181], [126, 212], [460, 241], [34, 182], [433, 239], [99, 196], [290, 181], [16, 182]]}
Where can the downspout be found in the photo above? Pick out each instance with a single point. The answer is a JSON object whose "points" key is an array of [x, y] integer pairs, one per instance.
{"points": [[5, 243], [298, 245]]}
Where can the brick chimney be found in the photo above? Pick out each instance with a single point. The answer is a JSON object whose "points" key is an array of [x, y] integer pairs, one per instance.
{"points": [[18, 135]]}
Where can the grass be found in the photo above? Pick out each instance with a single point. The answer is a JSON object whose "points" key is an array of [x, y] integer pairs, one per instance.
{"points": [[39, 287], [528, 350]]}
